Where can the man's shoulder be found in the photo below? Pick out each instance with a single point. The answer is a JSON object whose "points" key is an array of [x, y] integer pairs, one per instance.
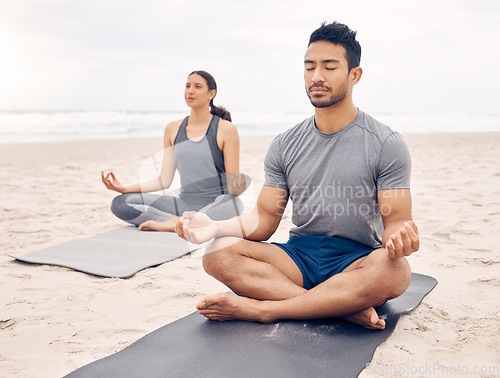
{"points": [[296, 132], [368, 124]]}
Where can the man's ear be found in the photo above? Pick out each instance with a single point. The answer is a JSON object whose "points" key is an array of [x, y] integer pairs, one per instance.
{"points": [[355, 75]]}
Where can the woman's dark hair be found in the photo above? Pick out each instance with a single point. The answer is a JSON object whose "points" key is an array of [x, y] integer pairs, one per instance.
{"points": [[339, 34], [212, 85]]}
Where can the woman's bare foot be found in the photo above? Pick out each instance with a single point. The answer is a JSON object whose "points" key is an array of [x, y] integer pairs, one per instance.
{"points": [[167, 226], [367, 318], [223, 306]]}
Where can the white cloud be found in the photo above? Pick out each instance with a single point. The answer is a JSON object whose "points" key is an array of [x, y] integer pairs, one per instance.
{"points": [[417, 55]]}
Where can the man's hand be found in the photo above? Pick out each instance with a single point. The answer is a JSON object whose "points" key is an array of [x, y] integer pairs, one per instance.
{"points": [[196, 228], [404, 242]]}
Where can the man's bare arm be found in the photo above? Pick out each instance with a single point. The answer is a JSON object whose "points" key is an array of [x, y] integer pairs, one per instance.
{"points": [[258, 225], [400, 237], [261, 223]]}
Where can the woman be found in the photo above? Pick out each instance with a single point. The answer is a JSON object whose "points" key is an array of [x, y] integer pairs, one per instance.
{"points": [[204, 148]]}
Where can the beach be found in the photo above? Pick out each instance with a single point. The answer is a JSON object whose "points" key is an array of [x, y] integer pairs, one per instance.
{"points": [[54, 320]]}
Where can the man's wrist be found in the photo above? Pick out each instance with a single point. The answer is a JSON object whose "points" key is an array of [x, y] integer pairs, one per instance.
{"points": [[228, 228], [218, 227]]}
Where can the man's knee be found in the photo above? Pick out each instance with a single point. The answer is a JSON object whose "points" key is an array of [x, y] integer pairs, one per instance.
{"points": [[219, 254], [399, 277], [394, 275]]}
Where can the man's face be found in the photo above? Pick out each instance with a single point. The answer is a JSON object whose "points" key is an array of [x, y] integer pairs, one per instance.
{"points": [[326, 74]]}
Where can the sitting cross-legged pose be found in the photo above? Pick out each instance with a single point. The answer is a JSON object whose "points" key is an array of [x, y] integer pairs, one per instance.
{"points": [[204, 148], [348, 178]]}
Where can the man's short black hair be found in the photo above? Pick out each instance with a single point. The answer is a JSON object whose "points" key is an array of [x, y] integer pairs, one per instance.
{"points": [[339, 34]]}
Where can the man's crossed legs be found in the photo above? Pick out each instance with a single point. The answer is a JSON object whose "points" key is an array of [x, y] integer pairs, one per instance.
{"points": [[270, 285]]}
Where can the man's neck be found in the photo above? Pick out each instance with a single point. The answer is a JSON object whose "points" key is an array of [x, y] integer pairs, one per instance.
{"points": [[335, 118]]}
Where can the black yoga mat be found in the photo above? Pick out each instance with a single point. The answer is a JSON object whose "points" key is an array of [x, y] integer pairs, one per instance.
{"points": [[118, 253], [196, 347]]}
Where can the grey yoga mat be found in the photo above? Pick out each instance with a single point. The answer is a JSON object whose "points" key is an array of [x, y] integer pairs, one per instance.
{"points": [[196, 347], [117, 253]]}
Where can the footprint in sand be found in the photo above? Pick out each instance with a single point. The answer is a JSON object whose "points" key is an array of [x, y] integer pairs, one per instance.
{"points": [[485, 281], [7, 323], [481, 261], [24, 277], [191, 294], [442, 236], [479, 250], [148, 286]]}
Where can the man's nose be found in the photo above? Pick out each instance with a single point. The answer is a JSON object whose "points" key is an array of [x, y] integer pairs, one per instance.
{"points": [[318, 76]]}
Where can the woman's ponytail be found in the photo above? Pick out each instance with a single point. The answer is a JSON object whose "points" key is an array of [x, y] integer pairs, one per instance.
{"points": [[212, 85], [220, 111]]}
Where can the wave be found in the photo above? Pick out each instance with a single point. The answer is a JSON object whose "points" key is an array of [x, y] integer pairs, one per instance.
{"points": [[56, 125]]}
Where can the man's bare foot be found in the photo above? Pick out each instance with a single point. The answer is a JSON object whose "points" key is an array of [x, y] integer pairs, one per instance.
{"points": [[167, 226], [367, 318], [223, 306]]}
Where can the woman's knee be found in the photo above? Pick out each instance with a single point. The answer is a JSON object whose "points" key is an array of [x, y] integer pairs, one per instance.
{"points": [[117, 204], [120, 206], [225, 206]]}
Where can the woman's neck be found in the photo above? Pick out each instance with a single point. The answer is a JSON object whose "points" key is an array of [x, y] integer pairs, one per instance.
{"points": [[200, 117]]}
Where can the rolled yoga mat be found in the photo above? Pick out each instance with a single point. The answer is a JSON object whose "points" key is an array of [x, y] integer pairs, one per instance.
{"points": [[196, 347], [118, 253]]}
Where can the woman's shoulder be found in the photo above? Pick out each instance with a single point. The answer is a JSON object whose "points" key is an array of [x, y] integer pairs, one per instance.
{"points": [[174, 125], [171, 131], [227, 134], [227, 128]]}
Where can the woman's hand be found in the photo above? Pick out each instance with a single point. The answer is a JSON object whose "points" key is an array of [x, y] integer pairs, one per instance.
{"points": [[112, 182], [237, 183]]}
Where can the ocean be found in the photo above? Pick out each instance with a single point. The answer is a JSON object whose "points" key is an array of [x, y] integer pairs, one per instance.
{"points": [[49, 126]]}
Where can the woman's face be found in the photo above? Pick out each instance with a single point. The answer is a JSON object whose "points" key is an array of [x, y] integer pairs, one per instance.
{"points": [[196, 93]]}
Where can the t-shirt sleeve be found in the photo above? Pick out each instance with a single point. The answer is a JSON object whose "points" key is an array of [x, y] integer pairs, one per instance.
{"points": [[273, 166], [394, 168]]}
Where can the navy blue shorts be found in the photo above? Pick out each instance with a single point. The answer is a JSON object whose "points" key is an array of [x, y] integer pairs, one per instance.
{"points": [[321, 257]]}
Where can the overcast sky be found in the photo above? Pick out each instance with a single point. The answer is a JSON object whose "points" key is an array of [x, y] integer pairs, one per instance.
{"points": [[418, 56]]}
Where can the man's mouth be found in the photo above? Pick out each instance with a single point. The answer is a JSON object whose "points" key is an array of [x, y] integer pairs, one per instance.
{"points": [[317, 89]]}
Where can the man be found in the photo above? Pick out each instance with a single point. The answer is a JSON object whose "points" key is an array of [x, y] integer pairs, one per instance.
{"points": [[348, 178]]}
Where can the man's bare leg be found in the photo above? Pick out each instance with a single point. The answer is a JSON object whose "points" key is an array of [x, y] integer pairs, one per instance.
{"points": [[352, 294], [253, 269]]}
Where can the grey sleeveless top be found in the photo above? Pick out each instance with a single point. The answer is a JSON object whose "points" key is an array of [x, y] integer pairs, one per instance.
{"points": [[200, 165]]}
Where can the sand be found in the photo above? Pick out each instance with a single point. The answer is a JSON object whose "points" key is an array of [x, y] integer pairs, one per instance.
{"points": [[54, 320]]}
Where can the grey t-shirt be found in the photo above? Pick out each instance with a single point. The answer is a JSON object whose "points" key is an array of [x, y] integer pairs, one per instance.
{"points": [[333, 179]]}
